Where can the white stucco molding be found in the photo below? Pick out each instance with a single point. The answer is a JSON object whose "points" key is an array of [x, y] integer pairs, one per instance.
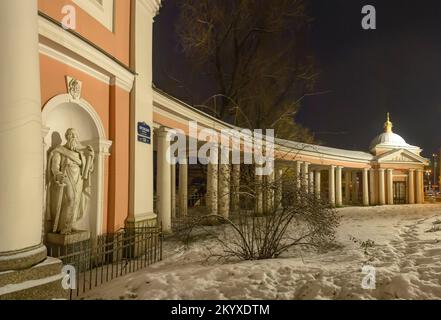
{"points": [[401, 156], [152, 6], [74, 63], [65, 98], [60, 44]]}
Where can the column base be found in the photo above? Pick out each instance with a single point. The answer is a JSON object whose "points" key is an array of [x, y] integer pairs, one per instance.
{"points": [[22, 259], [40, 282], [142, 220]]}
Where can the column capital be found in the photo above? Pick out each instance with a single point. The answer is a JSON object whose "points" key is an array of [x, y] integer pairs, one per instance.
{"points": [[411, 170]]}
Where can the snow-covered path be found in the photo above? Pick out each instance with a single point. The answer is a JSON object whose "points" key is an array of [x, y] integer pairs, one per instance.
{"points": [[407, 261]]}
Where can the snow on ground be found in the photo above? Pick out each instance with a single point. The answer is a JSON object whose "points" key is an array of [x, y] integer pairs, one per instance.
{"points": [[407, 259]]}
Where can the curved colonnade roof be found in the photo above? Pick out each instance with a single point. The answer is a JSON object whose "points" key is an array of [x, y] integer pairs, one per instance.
{"points": [[387, 140]]}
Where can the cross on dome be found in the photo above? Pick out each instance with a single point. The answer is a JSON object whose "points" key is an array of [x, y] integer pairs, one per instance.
{"points": [[388, 124]]}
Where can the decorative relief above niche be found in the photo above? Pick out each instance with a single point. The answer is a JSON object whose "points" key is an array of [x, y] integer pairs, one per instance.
{"points": [[74, 88]]}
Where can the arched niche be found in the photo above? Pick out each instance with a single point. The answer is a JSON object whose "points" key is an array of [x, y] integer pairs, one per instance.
{"points": [[61, 113]]}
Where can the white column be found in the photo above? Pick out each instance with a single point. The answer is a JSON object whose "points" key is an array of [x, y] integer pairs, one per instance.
{"points": [[269, 190], [259, 192], [354, 187], [317, 183], [141, 110], [372, 189], [311, 182], [212, 183], [164, 179], [298, 173], [390, 187], [365, 187], [347, 187], [381, 188], [331, 183], [224, 190], [305, 176], [235, 187], [21, 142], [173, 189], [183, 187], [338, 187], [411, 186], [279, 188], [419, 186]]}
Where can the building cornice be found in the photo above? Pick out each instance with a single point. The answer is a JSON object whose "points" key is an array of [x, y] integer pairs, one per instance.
{"points": [[151, 6], [58, 43]]}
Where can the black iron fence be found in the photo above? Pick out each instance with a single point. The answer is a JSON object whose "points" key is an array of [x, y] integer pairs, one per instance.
{"points": [[109, 256]]}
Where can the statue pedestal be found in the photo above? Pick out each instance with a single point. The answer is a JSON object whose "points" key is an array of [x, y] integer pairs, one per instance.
{"points": [[67, 239], [73, 249]]}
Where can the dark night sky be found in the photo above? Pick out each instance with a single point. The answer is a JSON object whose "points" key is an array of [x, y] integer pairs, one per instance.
{"points": [[396, 68]]}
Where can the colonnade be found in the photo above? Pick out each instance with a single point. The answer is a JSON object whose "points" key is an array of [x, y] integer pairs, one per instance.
{"points": [[344, 186]]}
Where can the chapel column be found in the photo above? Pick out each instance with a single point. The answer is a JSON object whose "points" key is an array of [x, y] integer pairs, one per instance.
{"points": [[305, 176], [279, 188], [224, 189], [311, 182], [420, 186], [354, 187], [298, 174], [331, 183], [21, 143], [411, 186], [365, 187], [235, 187], [183, 187], [390, 187], [372, 187], [173, 189], [212, 181], [259, 192], [164, 179], [269, 189], [347, 187], [338, 190], [381, 188], [317, 183]]}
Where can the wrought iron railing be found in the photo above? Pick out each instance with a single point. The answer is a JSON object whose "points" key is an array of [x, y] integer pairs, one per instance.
{"points": [[109, 256]]}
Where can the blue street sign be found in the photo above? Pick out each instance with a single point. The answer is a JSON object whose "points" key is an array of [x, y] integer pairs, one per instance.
{"points": [[144, 130]]}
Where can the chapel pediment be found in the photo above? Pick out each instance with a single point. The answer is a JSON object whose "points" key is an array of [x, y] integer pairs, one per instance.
{"points": [[401, 156]]}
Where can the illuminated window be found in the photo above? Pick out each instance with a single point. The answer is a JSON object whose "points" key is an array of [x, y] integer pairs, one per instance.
{"points": [[101, 10]]}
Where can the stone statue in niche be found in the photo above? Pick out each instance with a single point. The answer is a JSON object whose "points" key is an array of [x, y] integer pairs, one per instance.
{"points": [[69, 171]]}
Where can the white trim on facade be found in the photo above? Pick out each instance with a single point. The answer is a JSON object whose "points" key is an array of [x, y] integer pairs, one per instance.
{"points": [[71, 62], [151, 5], [64, 44]]}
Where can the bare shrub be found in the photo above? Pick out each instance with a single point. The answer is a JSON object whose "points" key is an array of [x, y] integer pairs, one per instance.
{"points": [[297, 219]]}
